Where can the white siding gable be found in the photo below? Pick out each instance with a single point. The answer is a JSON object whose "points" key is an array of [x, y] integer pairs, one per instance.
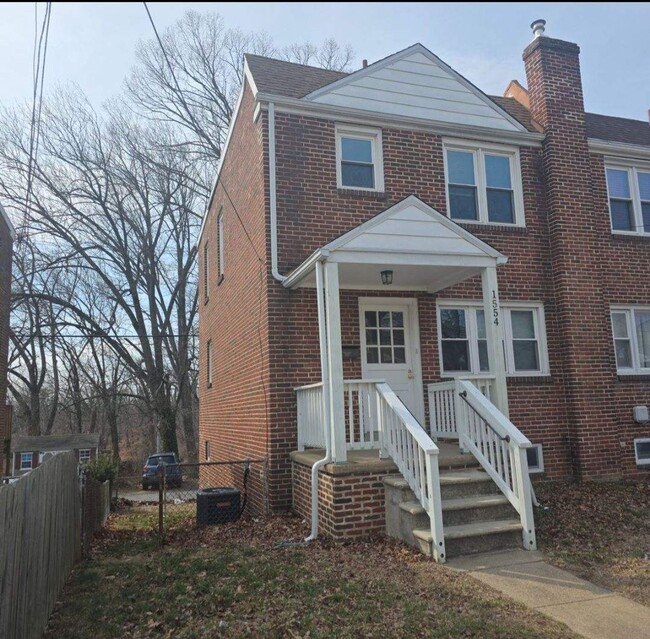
{"points": [[415, 83]]}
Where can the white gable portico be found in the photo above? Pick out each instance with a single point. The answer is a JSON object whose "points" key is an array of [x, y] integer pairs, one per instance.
{"points": [[422, 250]]}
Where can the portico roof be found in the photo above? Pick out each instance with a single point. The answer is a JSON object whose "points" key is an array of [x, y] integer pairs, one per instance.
{"points": [[424, 248]]}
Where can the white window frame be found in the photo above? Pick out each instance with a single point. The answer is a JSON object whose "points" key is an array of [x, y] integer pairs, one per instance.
{"points": [[628, 311], [540, 460], [209, 362], [87, 454], [31, 461], [220, 248], [206, 271], [633, 168], [479, 149], [641, 462], [539, 320], [361, 133]]}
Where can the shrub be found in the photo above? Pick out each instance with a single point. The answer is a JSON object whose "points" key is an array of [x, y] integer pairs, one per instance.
{"points": [[103, 467]]}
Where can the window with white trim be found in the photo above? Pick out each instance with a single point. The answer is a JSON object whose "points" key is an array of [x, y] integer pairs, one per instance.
{"points": [[535, 458], [206, 271], [220, 247], [208, 363], [84, 455], [463, 343], [359, 158], [631, 333], [642, 451], [483, 184], [628, 190], [26, 460]]}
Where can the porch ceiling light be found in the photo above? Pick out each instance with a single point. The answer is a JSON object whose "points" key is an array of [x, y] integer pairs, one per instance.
{"points": [[387, 277]]}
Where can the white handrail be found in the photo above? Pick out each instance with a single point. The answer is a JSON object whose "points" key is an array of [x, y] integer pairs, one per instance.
{"points": [[500, 447], [416, 457]]}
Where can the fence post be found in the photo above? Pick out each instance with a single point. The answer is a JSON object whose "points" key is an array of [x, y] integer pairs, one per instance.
{"points": [[161, 482]]}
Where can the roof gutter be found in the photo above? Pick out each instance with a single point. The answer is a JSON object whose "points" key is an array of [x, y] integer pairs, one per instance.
{"points": [[619, 149]]}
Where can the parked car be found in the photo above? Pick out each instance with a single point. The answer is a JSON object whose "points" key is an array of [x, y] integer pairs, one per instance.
{"points": [[173, 472]]}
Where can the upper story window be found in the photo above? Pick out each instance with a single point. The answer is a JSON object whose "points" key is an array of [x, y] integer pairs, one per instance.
{"points": [[220, 247], [628, 189], [631, 333], [463, 343], [208, 363], [483, 183], [359, 159], [84, 455], [206, 271]]}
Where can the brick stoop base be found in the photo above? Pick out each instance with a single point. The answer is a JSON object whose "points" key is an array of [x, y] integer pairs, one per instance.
{"points": [[351, 495]]}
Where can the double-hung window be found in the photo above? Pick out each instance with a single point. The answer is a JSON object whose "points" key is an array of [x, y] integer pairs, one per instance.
{"points": [[359, 159], [463, 343], [208, 363], [84, 455], [220, 248], [483, 184], [206, 271], [26, 460], [628, 189], [631, 333]]}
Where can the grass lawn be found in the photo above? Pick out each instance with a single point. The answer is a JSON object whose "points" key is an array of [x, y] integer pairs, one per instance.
{"points": [[233, 581], [600, 531]]}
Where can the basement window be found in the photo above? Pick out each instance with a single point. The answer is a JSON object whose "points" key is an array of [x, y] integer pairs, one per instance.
{"points": [[628, 189], [483, 183], [359, 159], [642, 451], [535, 455]]}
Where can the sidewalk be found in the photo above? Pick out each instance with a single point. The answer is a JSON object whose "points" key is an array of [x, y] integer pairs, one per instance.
{"points": [[587, 609]]}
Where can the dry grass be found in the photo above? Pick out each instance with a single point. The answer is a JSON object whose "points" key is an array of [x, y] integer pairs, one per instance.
{"points": [[600, 531], [239, 581]]}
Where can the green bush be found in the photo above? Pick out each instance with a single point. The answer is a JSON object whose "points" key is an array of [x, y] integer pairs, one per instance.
{"points": [[103, 467]]}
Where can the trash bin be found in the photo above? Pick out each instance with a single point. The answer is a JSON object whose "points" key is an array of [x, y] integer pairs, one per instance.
{"points": [[217, 505]]}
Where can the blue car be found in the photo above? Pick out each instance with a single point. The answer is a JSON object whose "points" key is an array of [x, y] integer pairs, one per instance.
{"points": [[173, 473]]}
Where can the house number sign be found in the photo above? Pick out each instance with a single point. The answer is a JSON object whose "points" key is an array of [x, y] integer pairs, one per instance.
{"points": [[495, 308]]}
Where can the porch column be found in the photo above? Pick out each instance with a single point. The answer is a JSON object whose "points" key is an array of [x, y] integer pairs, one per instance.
{"points": [[495, 336], [335, 362]]}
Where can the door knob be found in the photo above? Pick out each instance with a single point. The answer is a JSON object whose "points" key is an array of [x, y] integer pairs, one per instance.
{"points": [[410, 374]]}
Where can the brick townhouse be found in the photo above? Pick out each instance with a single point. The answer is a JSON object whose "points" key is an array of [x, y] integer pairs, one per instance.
{"points": [[7, 236], [407, 284]]}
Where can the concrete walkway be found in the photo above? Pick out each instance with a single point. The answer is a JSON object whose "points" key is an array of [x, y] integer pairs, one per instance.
{"points": [[587, 609]]}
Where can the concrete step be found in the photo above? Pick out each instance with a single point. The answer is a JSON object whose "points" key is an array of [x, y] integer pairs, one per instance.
{"points": [[459, 461], [468, 482], [467, 510], [466, 539]]}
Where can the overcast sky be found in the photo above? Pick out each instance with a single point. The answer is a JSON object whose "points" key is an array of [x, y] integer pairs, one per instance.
{"points": [[93, 44]]}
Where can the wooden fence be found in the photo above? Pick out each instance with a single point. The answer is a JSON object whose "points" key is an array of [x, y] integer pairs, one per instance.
{"points": [[96, 504], [40, 541]]}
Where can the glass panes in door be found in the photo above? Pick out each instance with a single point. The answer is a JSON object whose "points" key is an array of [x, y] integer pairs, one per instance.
{"points": [[385, 339]]}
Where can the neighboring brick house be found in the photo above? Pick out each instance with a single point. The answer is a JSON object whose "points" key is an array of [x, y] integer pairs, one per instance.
{"points": [[394, 196], [30, 452], [7, 236]]}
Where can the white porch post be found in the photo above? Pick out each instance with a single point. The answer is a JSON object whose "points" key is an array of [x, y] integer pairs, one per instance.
{"points": [[495, 336], [335, 362]]}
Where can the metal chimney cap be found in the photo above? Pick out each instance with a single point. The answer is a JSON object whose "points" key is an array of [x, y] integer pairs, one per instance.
{"points": [[538, 27]]}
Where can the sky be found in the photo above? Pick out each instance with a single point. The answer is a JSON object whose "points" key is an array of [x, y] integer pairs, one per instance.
{"points": [[93, 44]]}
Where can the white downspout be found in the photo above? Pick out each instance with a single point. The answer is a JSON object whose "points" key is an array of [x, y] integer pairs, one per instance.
{"points": [[273, 202], [324, 364]]}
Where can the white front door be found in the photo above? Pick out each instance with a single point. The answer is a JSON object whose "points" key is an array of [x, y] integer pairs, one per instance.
{"points": [[390, 348]]}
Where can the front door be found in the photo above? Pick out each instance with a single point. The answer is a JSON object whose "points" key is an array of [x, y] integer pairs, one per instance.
{"points": [[390, 349]]}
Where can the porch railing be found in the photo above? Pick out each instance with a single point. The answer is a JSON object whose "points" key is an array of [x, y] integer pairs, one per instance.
{"points": [[442, 405], [500, 448], [416, 457], [361, 426]]}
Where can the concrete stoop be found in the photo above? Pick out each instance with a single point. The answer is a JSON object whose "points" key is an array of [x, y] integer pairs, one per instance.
{"points": [[476, 517]]}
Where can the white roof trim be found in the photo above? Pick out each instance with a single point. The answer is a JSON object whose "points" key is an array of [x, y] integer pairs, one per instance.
{"points": [[372, 118], [339, 243], [416, 48], [224, 150], [621, 149], [5, 217]]}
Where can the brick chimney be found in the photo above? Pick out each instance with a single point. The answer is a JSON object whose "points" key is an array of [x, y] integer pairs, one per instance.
{"points": [[582, 312]]}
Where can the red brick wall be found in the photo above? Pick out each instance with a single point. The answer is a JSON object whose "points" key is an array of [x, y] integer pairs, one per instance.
{"points": [[6, 246], [234, 414], [350, 506]]}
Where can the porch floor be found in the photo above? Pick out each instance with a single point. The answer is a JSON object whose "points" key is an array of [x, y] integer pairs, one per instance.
{"points": [[367, 461]]}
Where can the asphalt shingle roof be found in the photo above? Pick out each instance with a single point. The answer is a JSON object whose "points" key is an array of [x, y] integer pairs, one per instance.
{"points": [[22, 443], [292, 80]]}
